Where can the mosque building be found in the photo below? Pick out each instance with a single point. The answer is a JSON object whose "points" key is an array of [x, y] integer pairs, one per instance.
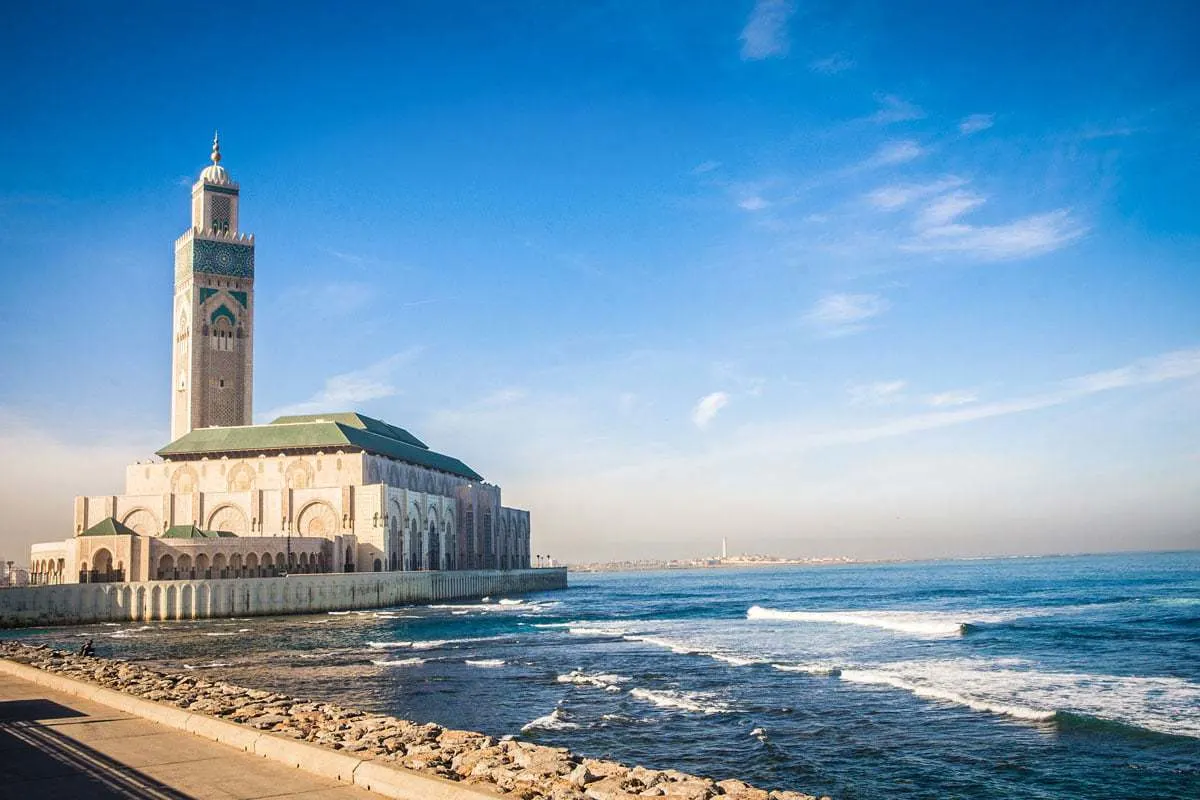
{"points": [[334, 492]]}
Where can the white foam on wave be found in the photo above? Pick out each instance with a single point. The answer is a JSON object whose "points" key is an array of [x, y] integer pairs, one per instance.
{"points": [[505, 601], [675, 647], [583, 630], [489, 663], [125, 633], [211, 665], [398, 662], [338, 613], [695, 702], [433, 644], [921, 623], [599, 680], [387, 645], [554, 721], [1161, 704], [814, 668], [228, 633], [735, 660]]}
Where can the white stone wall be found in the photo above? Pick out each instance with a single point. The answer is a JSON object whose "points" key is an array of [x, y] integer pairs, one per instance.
{"points": [[297, 594]]}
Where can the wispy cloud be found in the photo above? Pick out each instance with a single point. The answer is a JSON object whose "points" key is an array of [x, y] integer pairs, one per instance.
{"points": [[707, 408], [704, 167], [753, 202], [938, 226], [843, 314], [957, 397], [880, 393], [897, 152], [344, 391], [1029, 236], [832, 65], [948, 207], [976, 123], [895, 109], [765, 34], [900, 195]]}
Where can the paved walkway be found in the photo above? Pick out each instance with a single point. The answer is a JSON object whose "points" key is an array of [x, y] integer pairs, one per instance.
{"points": [[55, 745]]}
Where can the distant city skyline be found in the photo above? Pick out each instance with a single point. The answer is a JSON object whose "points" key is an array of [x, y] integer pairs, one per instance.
{"points": [[822, 279]]}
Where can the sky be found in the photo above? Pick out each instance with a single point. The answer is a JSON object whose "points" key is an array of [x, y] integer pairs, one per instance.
{"points": [[867, 279]]}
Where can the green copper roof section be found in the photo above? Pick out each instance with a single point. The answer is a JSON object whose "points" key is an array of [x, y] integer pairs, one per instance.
{"points": [[109, 527], [192, 532], [356, 420], [317, 431]]}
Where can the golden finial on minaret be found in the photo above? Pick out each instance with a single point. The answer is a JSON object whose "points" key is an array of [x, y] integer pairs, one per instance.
{"points": [[216, 153]]}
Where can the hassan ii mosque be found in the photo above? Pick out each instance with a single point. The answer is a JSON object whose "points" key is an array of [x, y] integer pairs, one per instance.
{"points": [[335, 492]]}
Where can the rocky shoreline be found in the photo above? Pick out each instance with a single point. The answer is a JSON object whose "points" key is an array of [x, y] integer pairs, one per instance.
{"points": [[507, 767]]}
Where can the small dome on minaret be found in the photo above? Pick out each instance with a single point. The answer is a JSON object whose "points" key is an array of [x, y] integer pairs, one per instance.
{"points": [[216, 173]]}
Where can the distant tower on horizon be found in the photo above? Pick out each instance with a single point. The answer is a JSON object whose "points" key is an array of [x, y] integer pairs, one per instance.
{"points": [[212, 362], [724, 547]]}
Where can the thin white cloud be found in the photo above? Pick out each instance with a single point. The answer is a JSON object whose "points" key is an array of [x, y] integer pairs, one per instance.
{"points": [[765, 34], [842, 314], [897, 152], [832, 65], [976, 123], [900, 195], [1023, 238], [957, 397], [707, 408], [335, 297], [895, 109], [948, 207], [880, 393], [344, 391], [705, 167], [753, 203]]}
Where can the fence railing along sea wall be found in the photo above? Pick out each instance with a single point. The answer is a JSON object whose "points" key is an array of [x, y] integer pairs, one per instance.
{"points": [[78, 603]]}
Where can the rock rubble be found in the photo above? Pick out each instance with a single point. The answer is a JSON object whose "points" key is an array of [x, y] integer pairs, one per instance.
{"points": [[508, 767]]}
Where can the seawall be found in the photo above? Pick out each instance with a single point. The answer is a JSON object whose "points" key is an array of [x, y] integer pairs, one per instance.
{"points": [[81, 603]]}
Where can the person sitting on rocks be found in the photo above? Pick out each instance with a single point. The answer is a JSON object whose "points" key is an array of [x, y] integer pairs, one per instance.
{"points": [[88, 649]]}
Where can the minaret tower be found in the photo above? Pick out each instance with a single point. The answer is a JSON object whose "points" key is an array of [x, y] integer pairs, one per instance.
{"points": [[213, 355]]}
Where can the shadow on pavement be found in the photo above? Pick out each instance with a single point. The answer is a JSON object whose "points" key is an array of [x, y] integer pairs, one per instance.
{"points": [[37, 761]]}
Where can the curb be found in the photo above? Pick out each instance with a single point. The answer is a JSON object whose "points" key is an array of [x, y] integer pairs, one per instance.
{"points": [[382, 779]]}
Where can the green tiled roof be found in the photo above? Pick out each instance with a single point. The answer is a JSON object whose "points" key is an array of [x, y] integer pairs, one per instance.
{"points": [[192, 532], [356, 420], [109, 527], [326, 431]]}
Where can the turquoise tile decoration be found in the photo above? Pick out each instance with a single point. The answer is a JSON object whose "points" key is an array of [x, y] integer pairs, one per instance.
{"points": [[223, 258]]}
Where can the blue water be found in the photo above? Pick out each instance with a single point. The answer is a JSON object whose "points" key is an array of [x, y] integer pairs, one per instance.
{"points": [[1065, 677]]}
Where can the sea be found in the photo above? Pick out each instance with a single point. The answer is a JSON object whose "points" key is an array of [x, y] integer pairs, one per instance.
{"points": [[1048, 677]]}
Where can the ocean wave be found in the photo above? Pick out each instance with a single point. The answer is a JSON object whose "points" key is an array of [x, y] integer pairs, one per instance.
{"points": [[125, 633], [695, 702], [398, 662], [935, 693], [735, 660], [600, 681], [211, 665], [1151, 703], [228, 633], [921, 623], [485, 662], [583, 630], [810, 669], [504, 601], [675, 647], [433, 644], [554, 721], [387, 645]]}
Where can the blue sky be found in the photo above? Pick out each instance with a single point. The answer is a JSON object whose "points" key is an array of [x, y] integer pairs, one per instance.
{"points": [[867, 278]]}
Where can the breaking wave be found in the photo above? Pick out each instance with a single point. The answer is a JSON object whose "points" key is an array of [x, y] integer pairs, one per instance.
{"points": [[695, 702], [600, 681], [921, 623], [554, 721], [399, 662], [485, 662], [1153, 703]]}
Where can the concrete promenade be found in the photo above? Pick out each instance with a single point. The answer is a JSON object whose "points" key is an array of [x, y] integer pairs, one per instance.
{"points": [[79, 603], [55, 745]]}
